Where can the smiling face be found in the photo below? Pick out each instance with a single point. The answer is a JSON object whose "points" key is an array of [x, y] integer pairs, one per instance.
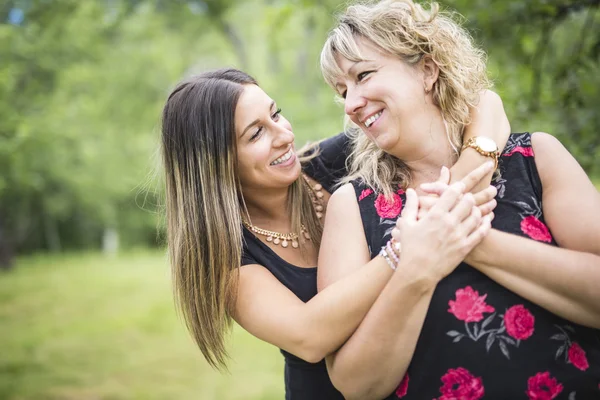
{"points": [[386, 98], [265, 143]]}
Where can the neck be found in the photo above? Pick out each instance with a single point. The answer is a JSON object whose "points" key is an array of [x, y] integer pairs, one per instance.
{"points": [[429, 154], [268, 208]]}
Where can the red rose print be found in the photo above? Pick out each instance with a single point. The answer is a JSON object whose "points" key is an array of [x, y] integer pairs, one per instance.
{"points": [[388, 209], [577, 357], [364, 194], [519, 322], [469, 306], [402, 387], [525, 151], [536, 229], [460, 384], [543, 387]]}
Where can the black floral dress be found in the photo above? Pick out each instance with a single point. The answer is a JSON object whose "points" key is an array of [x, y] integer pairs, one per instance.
{"points": [[480, 340]]}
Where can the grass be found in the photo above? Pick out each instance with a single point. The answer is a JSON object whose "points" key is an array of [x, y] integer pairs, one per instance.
{"points": [[85, 327]]}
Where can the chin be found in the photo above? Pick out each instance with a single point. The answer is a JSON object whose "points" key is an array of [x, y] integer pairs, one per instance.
{"points": [[386, 142], [290, 175], [297, 170]]}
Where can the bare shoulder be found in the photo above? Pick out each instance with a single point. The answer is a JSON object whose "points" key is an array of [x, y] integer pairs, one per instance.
{"points": [[343, 195], [545, 143], [554, 162], [343, 246], [342, 204], [342, 209], [571, 203]]}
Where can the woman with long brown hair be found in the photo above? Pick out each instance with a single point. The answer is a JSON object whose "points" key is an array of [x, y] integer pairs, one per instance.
{"points": [[244, 225]]}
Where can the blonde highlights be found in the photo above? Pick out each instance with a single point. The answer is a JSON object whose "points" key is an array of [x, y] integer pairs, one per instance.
{"points": [[410, 32], [204, 205]]}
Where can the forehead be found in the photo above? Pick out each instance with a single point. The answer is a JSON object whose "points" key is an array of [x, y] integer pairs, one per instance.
{"points": [[368, 53], [251, 104]]}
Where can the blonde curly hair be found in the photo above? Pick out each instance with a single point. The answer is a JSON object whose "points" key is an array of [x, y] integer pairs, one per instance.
{"points": [[407, 30]]}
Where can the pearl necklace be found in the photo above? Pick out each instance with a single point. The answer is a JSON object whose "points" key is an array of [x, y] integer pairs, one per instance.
{"points": [[284, 239]]}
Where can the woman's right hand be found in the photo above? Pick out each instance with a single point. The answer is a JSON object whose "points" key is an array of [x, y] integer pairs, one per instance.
{"points": [[435, 244]]}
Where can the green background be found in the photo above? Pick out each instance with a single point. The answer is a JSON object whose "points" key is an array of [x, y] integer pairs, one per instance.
{"points": [[85, 305]]}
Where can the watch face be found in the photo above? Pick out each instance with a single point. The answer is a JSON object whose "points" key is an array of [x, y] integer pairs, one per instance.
{"points": [[486, 144]]}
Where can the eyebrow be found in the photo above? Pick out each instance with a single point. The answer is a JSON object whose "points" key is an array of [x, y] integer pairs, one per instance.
{"points": [[256, 121], [351, 69], [350, 72]]}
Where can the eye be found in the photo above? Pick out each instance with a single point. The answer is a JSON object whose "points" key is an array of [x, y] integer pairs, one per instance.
{"points": [[343, 94], [363, 75], [256, 134], [276, 114]]}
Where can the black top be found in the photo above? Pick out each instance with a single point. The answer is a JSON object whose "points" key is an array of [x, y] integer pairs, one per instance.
{"points": [[303, 380], [479, 339]]}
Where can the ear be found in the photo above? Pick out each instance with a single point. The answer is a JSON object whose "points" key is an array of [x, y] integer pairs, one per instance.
{"points": [[431, 72]]}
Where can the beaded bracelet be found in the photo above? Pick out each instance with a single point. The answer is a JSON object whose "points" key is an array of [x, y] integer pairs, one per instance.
{"points": [[391, 252], [386, 257], [396, 247]]}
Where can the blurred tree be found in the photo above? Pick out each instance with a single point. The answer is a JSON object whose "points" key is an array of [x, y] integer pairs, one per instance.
{"points": [[82, 85], [81, 92], [545, 55]]}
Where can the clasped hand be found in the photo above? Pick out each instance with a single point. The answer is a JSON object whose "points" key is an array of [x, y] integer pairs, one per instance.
{"points": [[437, 231]]}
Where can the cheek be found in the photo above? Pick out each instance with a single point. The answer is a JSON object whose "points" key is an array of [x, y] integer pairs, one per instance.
{"points": [[243, 167], [253, 156]]}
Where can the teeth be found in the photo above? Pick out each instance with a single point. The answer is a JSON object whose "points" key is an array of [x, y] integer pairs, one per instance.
{"points": [[283, 158], [371, 120]]}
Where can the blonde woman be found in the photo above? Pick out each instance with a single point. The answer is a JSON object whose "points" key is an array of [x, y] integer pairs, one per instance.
{"points": [[519, 317], [244, 226]]}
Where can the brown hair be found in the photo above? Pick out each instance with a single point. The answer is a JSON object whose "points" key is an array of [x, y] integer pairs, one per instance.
{"points": [[204, 204]]}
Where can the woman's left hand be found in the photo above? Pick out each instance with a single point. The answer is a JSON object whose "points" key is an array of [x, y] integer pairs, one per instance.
{"points": [[484, 199]]}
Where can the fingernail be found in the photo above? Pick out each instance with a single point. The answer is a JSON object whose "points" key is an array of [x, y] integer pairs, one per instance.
{"points": [[489, 164]]}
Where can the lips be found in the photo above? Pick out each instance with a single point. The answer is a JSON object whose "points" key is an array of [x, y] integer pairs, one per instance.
{"points": [[372, 119], [283, 158]]}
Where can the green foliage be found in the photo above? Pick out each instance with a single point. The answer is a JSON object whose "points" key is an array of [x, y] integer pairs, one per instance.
{"points": [[82, 85], [545, 58]]}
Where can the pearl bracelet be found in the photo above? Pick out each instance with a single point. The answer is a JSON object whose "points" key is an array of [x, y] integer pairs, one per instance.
{"points": [[386, 257], [392, 253]]}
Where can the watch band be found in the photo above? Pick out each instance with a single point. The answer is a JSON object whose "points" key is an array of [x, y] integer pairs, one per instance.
{"points": [[472, 143]]}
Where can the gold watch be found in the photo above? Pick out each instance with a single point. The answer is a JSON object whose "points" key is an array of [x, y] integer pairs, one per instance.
{"points": [[484, 146]]}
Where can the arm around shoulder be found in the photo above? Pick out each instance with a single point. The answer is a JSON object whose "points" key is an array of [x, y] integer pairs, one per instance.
{"points": [[571, 203]]}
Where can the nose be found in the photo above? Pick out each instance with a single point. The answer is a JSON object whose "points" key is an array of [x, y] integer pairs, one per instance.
{"points": [[282, 136], [353, 102]]}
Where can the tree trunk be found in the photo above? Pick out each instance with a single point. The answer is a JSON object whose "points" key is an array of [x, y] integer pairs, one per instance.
{"points": [[51, 234], [6, 249], [110, 242], [303, 60]]}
